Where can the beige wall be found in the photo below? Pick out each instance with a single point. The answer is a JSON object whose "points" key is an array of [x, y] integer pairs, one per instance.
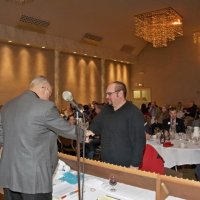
{"points": [[172, 73], [81, 76], [118, 72], [85, 77], [19, 65]]}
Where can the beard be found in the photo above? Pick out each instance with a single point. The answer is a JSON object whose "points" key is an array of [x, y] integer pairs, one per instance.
{"points": [[109, 102]]}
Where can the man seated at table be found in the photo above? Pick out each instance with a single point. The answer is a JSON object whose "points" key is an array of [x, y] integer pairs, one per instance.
{"points": [[173, 123]]}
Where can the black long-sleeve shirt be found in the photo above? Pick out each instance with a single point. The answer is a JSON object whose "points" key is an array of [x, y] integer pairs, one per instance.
{"points": [[122, 134]]}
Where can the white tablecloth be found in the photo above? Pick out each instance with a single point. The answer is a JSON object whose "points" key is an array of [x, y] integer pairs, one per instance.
{"points": [[96, 187], [176, 155]]}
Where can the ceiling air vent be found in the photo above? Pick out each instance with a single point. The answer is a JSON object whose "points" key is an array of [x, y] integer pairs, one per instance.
{"points": [[127, 49], [91, 39], [32, 24]]}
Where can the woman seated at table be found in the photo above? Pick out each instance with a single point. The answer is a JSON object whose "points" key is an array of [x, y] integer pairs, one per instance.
{"points": [[173, 123], [147, 127], [157, 125]]}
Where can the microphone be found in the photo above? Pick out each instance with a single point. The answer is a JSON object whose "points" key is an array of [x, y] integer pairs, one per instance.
{"points": [[67, 96]]}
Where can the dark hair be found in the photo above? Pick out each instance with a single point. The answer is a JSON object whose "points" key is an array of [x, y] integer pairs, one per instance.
{"points": [[120, 86], [144, 108], [173, 109]]}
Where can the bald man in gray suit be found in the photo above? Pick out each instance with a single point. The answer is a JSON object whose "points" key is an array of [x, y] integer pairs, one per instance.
{"points": [[29, 126]]}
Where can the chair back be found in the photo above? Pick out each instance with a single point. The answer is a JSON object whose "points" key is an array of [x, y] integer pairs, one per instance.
{"points": [[152, 161]]}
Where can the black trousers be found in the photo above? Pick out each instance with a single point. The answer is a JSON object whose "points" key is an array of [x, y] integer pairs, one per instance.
{"points": [[11, 195]]}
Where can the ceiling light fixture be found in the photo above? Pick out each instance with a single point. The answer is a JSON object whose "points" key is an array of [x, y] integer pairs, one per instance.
{"points": [[159, 27]]}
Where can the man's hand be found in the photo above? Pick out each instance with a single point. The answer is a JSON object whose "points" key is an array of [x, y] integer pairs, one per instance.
{"points": [[88, 133]]}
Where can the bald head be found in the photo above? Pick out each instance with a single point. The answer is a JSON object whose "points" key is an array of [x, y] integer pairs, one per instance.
{"points": [[41, 86]]}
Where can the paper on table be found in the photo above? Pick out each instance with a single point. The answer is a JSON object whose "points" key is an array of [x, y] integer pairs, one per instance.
{"points": [[94, 183], [64, 190], [106, 198], [61, 168]]}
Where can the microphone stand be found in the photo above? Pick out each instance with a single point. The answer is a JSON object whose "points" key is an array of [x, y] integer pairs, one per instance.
{"points": [[80, 192]]}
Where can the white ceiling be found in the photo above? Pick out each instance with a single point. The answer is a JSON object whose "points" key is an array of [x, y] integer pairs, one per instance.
{"points": [[113, 20]]}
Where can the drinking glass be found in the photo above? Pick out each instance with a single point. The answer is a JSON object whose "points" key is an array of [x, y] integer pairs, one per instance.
{"points": [[113, 183], [195, 140], [172, 135], [180, 136], [189, 130]]}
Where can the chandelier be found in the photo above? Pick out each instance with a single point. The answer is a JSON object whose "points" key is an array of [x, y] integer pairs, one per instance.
{"points": [[196, 37], [20, 1], [159, 27]]}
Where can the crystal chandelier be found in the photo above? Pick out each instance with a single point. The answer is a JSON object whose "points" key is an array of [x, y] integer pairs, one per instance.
{"points": [[196, 37], [159, 27], [20, 1]]}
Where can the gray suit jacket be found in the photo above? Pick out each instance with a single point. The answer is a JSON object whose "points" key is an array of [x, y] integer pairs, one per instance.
{"points": [[28, 132]]}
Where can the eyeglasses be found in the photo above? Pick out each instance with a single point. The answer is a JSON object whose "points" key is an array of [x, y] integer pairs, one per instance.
{"points": [[110, 93]]}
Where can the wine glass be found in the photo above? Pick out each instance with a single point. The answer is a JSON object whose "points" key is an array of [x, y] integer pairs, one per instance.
{"points": [[112, 182]]}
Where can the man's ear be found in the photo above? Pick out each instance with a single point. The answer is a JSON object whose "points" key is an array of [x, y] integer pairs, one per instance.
{"points": [[120, 93]]}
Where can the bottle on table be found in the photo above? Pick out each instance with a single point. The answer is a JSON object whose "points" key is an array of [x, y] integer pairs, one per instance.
{"points": [[167, 135], [162, 138]]}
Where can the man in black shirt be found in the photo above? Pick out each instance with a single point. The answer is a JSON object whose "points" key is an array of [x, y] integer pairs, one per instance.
{"points": [[121, 125]]}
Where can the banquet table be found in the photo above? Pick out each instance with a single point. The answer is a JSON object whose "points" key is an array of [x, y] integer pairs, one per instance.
{"points": [[96, 188], [181, 153]]}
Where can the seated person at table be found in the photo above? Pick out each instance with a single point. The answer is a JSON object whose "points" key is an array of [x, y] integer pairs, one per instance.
{"points": [[147, 127], [157, 125], [173, 123], [191, 110]]}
